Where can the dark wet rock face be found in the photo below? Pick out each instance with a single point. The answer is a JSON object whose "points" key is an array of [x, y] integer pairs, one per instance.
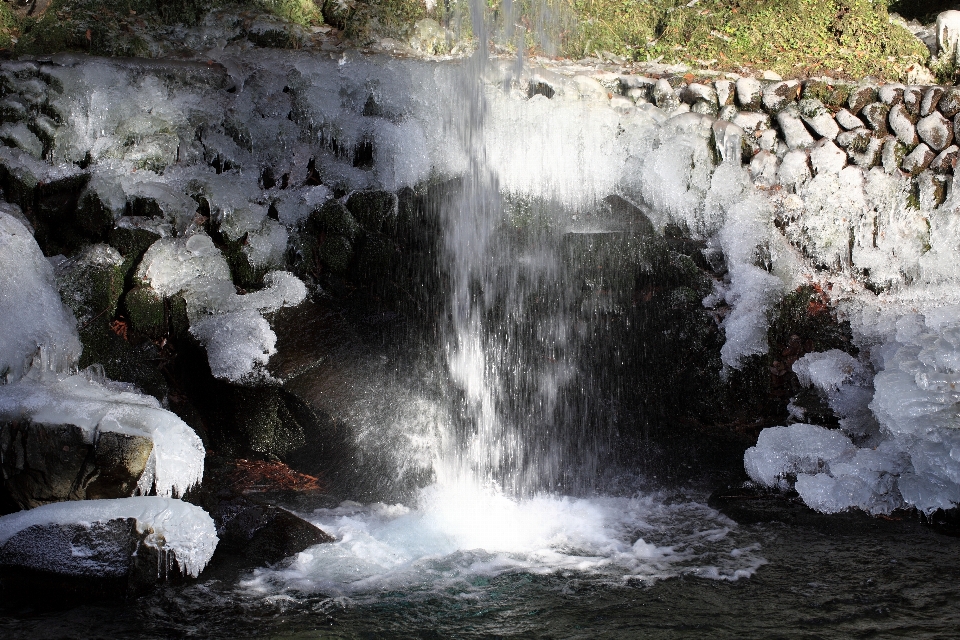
{"points": [[52, 463]]}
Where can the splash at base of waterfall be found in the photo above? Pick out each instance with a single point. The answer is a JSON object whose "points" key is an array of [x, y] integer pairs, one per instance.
{"points": [[458, 538]]}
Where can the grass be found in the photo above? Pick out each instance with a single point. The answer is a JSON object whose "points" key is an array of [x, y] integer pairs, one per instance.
{"points": [[795, 38]]}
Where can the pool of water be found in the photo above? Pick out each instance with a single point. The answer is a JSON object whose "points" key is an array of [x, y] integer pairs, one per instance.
{"points": [[471, 564]]}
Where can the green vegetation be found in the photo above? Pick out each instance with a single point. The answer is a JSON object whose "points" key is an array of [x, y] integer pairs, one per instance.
{"points": [[852, 38]]}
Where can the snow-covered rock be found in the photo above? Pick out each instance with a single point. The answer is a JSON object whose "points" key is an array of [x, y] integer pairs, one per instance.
{"points": [[90, 409], [137, 540], [936, 131]]}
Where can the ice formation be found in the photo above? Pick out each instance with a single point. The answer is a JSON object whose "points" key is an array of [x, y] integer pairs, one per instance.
{"points": [[176, 463], [36, 324], [177, 530], [238, 339]]}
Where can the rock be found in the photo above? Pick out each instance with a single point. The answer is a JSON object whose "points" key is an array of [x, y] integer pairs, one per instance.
{"points": [[664, 96], [589, 88], [375, 210], [749, 94], [767, 140], [696, 91], [336, 252], [826, 157], [931, 97], [770, 75], [97, 548], [912, 98], [333, 217], [728, 141], [818, 118], [902, 125], [623, 106], [642, 84], [948, 33], [936, 131], [726, 92], [763, 169], [778, 95], [856, 140], [260, 533], [794, 169], [752, 122], [866, 157], [847, 120], [891, 94], [949, 103], [893, 154], [18, 135], [827, 91], [861, 96], [428, 37], [917, 160], [946, 160], [44, 463], [876, 114], [638, 95], [728, 113], [704, 107], [794, 132], [91, 282], [932, 189]]}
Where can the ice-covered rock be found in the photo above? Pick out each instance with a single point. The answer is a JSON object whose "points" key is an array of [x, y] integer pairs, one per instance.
{"points": [[238, 340], [778, 95], [728, 139], [936, 131], [948, 33], [875, 115], [38, 330], [749, 93], [763, 168], [664, 96], [790, 451], [946, 160], [931, 97], [87, 409], [130, 539], [794, 131], [826, 157], [891, 93], [918, 159], [726, 91], [847, 120], [902, 125], [892, 154], [818, 118], [794, 169]]}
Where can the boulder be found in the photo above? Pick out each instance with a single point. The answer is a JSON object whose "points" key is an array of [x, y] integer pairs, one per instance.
{"points": [[912, 99], [749, 94], [794, 132], [826, 157], [375, 210], [589, 88], [875, 115], [931, 97], [778, 95], [726, 92], [664, 96], [901, 123], [794, 169], [861, 96], [847, 120], [818, 118], [868, 156], [94, 548], [893, 154], [763, 169], [856, 140], [891, 94], [695, 92], [917, 160], [946, 160], [752, 122], [936, 131], [949, 103], [728, 113]]}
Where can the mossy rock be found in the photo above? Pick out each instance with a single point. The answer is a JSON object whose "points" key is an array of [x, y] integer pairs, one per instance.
{"points": [[375, 210], [333, 217], [832, 94], [146, 311], [132, 242], [124, 359], [336, 252], [378, 258], [92, 282]]}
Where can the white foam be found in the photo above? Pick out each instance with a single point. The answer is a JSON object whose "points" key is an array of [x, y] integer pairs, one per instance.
{"points": [[457, 535]]}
